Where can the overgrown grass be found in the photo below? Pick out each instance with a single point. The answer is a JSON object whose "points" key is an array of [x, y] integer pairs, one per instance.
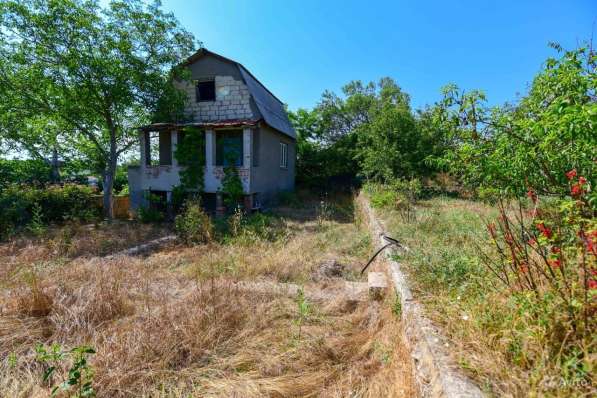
{"points": [[493, 334], [193, 320]]}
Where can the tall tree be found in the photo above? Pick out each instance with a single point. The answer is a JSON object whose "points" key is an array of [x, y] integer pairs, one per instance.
{"points": [[98, 72], [532, 144]]}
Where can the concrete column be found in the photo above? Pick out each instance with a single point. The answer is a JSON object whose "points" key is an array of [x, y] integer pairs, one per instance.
{"points": [[169, 207], [142, 149], [247, 147], [210, 146], [174, 143]]}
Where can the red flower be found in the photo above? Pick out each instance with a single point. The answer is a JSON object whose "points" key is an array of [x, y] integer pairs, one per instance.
{"points": [[545, 231], [576, 190], [555, 262], [556, 250], [571, 174], [532, 242], [592, 284], [532, 195], [582, 180]]}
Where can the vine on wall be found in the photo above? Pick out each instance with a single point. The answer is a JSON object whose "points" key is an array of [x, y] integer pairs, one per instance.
{"points": [[190, 153], [232, 186]]}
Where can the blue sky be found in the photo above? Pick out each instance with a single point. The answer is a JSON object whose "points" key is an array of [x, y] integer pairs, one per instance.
{"points": [[300, 48]]}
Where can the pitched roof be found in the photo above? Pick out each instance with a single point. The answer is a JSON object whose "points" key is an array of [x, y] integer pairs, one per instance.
{"points": [[271, 108]]}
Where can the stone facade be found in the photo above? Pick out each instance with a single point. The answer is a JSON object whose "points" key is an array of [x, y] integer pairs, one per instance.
{"points": [[232, 101]]}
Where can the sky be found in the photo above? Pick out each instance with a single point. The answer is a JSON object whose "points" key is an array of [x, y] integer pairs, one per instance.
{"points": [[298, 49]]}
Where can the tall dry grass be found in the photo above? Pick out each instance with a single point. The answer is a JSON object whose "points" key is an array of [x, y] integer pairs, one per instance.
{"points": [[176, 323]]}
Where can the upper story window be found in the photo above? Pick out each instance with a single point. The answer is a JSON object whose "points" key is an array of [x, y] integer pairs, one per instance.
{"points": [[205, 90], [283, 155]]}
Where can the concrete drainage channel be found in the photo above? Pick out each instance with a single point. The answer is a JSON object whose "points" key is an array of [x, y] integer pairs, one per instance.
{"points": [[435, 373]]}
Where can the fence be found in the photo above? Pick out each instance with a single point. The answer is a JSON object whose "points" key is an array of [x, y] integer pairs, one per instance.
{"points": [[120, 205]]}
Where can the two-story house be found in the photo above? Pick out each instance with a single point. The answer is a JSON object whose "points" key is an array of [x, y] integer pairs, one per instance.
{"points": [[240, 117]]}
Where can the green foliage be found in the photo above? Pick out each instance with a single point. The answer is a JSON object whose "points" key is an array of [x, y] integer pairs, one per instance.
{"points": [[86, 73], [532, 144], [397, 306], [232, 187], [371, 133], [190, 152], [193, 225], [303, 310], [247, 229], [22, 205], [154, 211], [79, 383], [19, 171], [36, 225]]}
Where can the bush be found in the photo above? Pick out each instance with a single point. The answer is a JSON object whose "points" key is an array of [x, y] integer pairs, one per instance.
{"points": [[53, 204], [547, 258], [232, 187], [396, 195], [154, 211], [30, 171], [150, 215], [193, 225]]}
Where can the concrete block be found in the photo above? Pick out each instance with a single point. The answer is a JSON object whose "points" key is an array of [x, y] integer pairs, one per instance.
{"points": [[377, 283]]}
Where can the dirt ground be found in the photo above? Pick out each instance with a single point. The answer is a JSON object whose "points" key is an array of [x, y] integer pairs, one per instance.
{"points": [[276, 309]]}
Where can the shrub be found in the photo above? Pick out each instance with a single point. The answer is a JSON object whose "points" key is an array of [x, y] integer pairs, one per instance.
{"points": [[381, 196], [232, 187], [400, 194], [22, 204], [30, 171], [547, 259], [154, 211], [149, 215], [193, 225]]}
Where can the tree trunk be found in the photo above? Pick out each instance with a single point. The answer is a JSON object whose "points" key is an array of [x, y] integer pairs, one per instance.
{"points": [[109, 174], [55, 169], [108, 192]]}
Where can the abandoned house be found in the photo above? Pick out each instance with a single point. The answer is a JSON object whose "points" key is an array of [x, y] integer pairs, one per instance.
{"points": [[243, 123]]}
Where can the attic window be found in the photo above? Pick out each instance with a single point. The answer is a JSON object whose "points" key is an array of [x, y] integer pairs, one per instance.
{"points": [[206, 90]]}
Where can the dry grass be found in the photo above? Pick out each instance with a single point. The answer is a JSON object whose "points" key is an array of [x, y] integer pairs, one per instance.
{"points": [[177, 324], [493, 336], [63, 243]]}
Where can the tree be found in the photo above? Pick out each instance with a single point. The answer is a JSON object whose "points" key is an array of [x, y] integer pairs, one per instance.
{"points": [[98, 73], [530, 145]]}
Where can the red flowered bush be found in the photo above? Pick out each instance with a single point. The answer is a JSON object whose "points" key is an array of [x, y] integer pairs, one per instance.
{"points": [[550, 260]]}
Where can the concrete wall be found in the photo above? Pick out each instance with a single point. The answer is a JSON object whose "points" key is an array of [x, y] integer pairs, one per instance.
{"points": [[268, 178]]}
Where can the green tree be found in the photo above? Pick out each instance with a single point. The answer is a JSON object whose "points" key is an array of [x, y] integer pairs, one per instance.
{"points": [[98, 72], [530, 145], [370, 131]]}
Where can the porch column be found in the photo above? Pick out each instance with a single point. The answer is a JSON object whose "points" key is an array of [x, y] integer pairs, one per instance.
{"points": [[174, 144], [247, 160], [142, 147], [210, 142], [247, 141]]}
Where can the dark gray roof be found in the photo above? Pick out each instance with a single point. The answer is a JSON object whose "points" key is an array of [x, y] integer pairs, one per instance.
{"points": [[269, 106]]}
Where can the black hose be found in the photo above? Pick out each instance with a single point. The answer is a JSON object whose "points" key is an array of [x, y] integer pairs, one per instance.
{"points": [[391, 242]]}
